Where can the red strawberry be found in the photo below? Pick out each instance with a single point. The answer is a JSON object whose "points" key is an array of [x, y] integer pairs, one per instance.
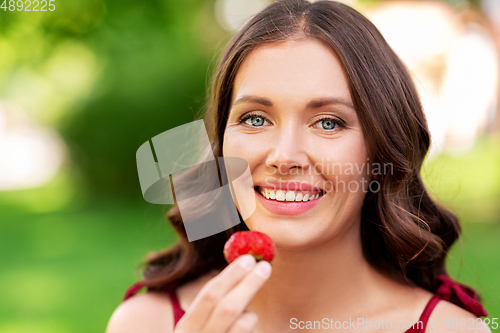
{"points": [[255, 243]]}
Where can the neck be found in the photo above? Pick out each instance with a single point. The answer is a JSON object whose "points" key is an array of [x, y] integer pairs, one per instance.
{"points": [[332, 278]]}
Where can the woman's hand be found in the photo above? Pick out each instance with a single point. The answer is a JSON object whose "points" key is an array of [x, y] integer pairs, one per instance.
{"points": [[220, 306]]}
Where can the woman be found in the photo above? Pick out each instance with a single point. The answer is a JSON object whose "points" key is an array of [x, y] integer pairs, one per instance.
{"points": [[310, 94]]}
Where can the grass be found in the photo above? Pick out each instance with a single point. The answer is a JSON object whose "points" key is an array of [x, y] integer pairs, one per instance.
{"points": [[65, 267], [68, 271]]}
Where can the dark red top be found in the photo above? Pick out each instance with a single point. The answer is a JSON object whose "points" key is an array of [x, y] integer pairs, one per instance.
{"points": [[448, 289]]}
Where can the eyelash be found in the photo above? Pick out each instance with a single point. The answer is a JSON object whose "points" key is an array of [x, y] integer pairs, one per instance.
{"points": [[244, 118]]}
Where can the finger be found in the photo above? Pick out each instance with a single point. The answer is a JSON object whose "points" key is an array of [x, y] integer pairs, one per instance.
{"points": [[213, 291], [232, 305], [245, 323]]}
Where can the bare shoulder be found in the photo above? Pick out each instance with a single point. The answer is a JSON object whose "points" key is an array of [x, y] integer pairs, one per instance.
{"points": [[448, 317], [153, 312], [148, 312]]}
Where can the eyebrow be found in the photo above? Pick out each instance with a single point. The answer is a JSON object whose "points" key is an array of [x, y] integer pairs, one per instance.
{"points": [[314, 104]]}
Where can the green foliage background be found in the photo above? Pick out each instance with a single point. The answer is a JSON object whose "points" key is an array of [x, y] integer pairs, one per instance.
{"points": [[109, 75]]}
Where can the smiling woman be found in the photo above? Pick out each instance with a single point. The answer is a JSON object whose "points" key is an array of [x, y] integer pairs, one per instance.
{"points": [[294, 121], [316, 102]]}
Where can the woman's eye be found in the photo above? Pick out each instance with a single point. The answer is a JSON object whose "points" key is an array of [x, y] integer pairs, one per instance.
{"points": [[255, 121], [327, 124]]}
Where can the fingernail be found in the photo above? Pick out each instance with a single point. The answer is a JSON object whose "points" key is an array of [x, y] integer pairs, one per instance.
{"points": [[263, 269], [246, 261]]}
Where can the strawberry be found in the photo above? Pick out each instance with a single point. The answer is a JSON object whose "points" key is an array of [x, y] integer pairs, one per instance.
{"points": [[255, 243]]}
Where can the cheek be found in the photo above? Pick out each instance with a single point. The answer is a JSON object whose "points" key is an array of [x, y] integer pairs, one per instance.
{"points": [[344, 164], [233, 139], [242, 145], [232, 144]]}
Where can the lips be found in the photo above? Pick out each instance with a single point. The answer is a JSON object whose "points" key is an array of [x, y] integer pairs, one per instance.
{"points": [[287, 207], [289, 186], [289, 196]]}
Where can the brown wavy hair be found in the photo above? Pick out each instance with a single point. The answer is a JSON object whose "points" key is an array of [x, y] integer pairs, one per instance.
{"points": [[405, 233]]}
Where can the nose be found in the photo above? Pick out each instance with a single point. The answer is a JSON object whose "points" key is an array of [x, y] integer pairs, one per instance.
{"points": [[287, 152]]}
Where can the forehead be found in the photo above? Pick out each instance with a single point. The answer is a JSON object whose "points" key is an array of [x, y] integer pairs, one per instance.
{"points": [[295, 69]]}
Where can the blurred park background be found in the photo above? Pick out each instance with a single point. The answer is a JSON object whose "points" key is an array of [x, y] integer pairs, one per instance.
{"points": [[84, 85]]}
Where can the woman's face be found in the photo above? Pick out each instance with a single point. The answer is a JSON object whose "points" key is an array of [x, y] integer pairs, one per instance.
{"points": [[292, 119]]}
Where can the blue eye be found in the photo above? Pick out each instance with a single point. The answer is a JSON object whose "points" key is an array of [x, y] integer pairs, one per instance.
{"points": [[257, 120], [254, 120], [329, 123]]}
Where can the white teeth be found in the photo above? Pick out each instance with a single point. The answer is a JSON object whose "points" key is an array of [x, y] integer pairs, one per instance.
{"points": [[280, 195]]}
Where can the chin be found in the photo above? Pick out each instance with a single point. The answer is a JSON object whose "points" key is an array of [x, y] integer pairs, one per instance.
{"points": [[285, 234]]}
